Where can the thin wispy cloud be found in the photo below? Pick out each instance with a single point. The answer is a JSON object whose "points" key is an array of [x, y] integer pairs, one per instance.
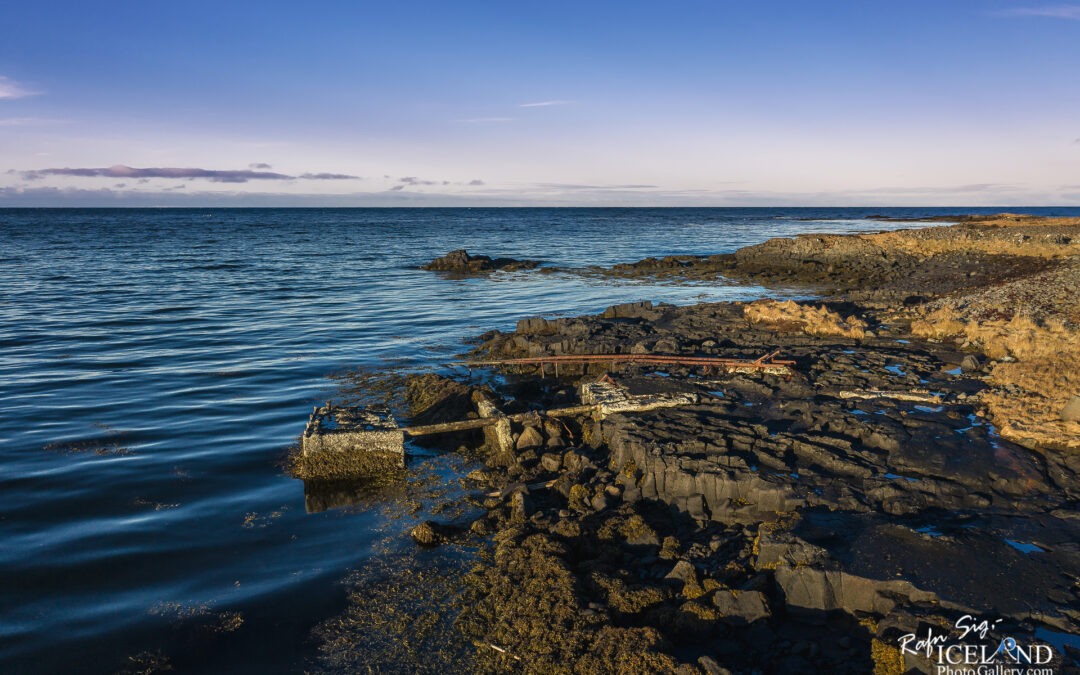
{"points": [[187, 173], [11, 89], [482, 120], [542, 104], [1052, 11], [576, 186], [27, 121], [328, 176], [259, 165], [414, 181], [942, 189]]}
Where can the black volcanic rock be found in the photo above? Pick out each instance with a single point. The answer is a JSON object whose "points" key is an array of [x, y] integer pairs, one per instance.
{"points": [[461, 262]]}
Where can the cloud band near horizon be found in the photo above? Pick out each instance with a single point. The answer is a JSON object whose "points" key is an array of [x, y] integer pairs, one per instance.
{"points": [[187, 173]]}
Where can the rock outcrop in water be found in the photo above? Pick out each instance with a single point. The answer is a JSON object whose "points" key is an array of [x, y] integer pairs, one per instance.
{"points": [[886, 266], [461, 262]]}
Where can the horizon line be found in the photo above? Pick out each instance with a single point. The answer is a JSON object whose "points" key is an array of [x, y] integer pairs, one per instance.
{"points": [[541, 206]]}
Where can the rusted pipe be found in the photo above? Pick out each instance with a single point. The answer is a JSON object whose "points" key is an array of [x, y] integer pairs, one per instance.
{"points": [[765, 362]]}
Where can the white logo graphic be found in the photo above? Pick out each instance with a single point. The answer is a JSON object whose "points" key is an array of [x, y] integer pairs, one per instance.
{"points": [[993, 656]]}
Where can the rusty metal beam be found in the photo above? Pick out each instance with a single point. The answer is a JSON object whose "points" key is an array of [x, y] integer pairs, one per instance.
{"points": [[767, 362]]}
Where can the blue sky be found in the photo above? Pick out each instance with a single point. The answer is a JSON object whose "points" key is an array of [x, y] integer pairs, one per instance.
{"points": [[967, 102]]}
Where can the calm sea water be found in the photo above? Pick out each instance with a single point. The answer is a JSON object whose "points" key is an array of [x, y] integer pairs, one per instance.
{"points": [[154, 365]]}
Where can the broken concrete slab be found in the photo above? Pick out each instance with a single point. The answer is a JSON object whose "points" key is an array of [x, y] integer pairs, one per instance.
{"points": [[610, 398], [342, 441]]}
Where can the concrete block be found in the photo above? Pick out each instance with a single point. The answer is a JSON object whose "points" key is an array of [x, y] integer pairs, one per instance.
{"points": [[341, 440]]}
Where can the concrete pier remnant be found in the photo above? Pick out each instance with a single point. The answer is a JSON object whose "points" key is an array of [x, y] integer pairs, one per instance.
{"points": [[342, 440], [609, 398]]}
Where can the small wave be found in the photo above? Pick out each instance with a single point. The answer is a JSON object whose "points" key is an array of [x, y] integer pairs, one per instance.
{"points": [[172, 310], [219, 266]]}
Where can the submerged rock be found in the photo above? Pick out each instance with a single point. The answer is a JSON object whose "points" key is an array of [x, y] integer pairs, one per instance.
{"points": [[426, 534], [430, 533]]}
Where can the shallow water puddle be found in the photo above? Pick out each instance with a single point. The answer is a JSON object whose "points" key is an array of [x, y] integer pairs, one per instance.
{"points": [[894, 476], [1024, 547], [930, 409], [1058, 639]]}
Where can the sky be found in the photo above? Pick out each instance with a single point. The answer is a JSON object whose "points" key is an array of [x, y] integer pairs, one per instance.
{"points": [[712, 103]]}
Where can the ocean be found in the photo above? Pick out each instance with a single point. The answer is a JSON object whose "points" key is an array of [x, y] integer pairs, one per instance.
{"points": [[156, 364]]}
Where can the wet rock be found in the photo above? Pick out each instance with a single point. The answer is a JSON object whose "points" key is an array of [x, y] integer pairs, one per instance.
{"points": [[563, 485], [528, 458], [481, 527], [551, 461], [555, 443], [434, 399], [427, 534], [461, 262], [739, 608], [478, 476], [521, 506], [552, 428], [683, 572], [575, 462], [530, 438], [666, 346], [670, 548], [578, 498], [971, 363], [631, 310], [639, 533], [711, 667]]}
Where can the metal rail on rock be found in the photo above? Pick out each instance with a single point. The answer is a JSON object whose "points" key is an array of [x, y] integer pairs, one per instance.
{"points": [[766, 363]]}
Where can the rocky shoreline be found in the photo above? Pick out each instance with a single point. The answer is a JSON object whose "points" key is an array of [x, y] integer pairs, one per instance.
{"points": [[921, 465]]}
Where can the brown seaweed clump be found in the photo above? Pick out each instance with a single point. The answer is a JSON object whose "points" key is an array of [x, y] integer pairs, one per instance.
{"points": [[399, 618], [525, 609], [376, 468]]}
